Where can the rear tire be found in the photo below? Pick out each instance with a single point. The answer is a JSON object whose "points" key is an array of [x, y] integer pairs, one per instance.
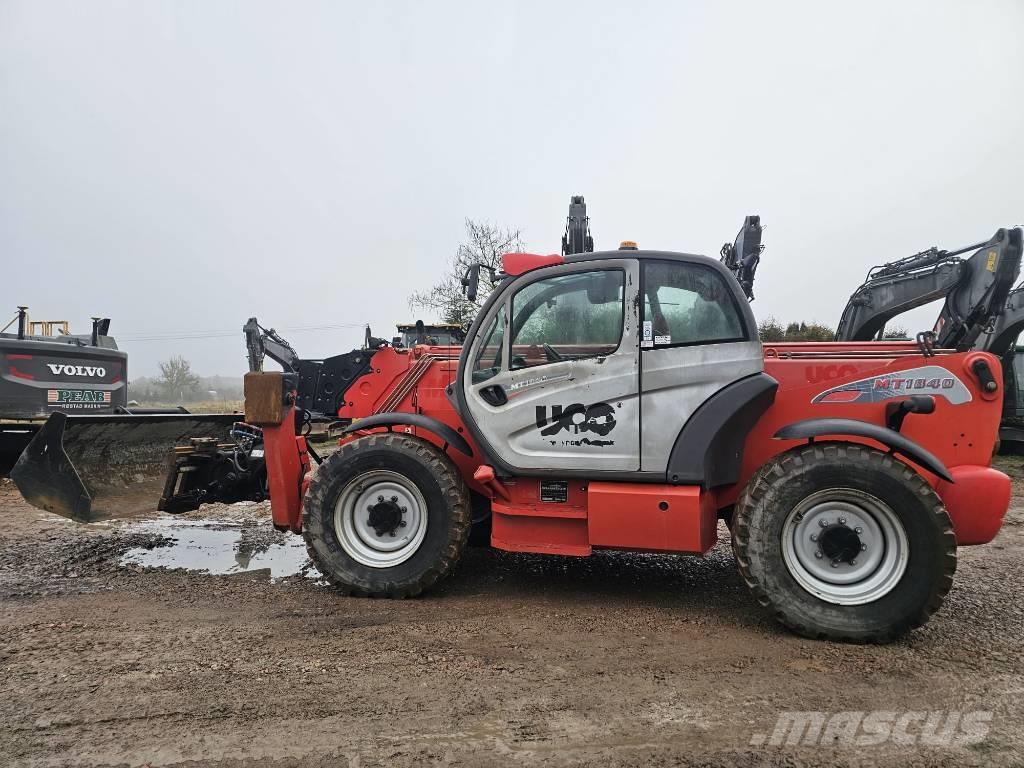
{"points": [[844, 542], [386, 516]]}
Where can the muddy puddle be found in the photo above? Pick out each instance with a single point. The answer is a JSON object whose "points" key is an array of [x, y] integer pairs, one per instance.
{"points": [[219, 547]]}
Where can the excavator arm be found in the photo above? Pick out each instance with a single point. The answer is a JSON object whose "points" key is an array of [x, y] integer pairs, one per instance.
{"points": [[897, 287], [1007, 327], [979, 300], [577, 237], [744, 254], [974, 288], [263, 342]]}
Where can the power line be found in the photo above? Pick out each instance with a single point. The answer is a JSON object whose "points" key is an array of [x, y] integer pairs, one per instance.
{"points": [[224, 333]]}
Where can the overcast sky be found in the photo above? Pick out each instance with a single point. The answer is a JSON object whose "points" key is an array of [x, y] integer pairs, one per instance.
{"points": [[180, 166]]}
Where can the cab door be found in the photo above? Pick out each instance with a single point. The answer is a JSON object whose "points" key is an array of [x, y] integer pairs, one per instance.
{"points": [[551, 383], [698, 337]]}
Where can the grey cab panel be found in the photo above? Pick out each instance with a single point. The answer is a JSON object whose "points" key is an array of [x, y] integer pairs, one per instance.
{"points": [[593, 367], [698, 337]]}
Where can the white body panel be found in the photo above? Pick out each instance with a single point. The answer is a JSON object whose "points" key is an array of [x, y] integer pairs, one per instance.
{"points": [[568, 388]]}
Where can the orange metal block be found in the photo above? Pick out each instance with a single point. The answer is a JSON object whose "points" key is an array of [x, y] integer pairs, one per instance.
{"points": [[662, 518], [547, 535], [525, 523]]}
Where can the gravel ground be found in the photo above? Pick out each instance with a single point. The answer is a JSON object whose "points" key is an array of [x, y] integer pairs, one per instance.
{"points": [[617, 659]]}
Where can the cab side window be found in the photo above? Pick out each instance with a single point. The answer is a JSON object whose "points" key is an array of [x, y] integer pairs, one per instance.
{"points": [[488, 359], [689, 304], [568, 317]]}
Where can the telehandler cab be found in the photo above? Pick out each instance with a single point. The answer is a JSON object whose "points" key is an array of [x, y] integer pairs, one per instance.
{"points": [[622, 400]]}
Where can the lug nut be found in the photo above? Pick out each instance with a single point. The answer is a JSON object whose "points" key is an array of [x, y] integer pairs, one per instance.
{"points": [[380, 498], [853, 562], [823, 523], [402, 524], [835, 563], [394, 499], [818, 554], [842, 521], [863, 547], [814, 537], [858, 529], [404, 510]]}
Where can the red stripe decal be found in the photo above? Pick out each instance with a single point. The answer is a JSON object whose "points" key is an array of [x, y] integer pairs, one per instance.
{"points": [[15, 372]]}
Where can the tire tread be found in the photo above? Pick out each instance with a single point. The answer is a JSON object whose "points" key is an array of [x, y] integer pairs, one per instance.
{"points": [[453, 488], [778, 470]]}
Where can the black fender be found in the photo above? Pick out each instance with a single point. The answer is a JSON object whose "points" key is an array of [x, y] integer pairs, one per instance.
{"points": [[709, 448], [894, 441], [439, 428]]}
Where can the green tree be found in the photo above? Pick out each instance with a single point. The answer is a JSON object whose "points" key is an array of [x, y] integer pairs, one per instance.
{"points": [[771, 329], [485, 244], [176, 379]]}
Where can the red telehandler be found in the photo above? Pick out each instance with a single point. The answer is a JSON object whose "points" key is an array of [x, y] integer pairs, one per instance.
{"points": [[619, 400]]}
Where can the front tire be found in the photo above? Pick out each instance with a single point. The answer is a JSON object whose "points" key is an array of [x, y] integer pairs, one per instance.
{"points": [[386, 516], [844, 542]]}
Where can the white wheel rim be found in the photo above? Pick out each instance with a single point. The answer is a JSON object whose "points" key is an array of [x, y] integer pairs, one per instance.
{"points": [[845, 546], [391, 534]]}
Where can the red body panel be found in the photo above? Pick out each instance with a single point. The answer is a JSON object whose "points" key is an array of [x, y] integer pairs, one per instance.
{"points": [[961, 433], [414, 381], [661, 518], [518, 263], [958, 434], [523, 523], [287, 466], [976, 501]]}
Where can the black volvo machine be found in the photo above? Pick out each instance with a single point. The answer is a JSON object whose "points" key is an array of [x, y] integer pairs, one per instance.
{"points": [[71, 392], [45, 369]]}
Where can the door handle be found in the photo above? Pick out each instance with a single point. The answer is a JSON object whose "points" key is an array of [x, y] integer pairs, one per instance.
{"points": [[494, 395]]}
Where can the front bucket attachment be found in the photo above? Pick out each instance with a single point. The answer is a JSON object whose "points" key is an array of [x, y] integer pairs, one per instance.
{"points": [[89, 468]]}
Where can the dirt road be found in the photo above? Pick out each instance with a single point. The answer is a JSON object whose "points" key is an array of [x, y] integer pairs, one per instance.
{"points": [[613, 660]]}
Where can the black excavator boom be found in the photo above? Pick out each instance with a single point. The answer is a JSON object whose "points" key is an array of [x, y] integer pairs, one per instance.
{"points": [[744, 254], [974, 304], [975, 289], [577, 237]]}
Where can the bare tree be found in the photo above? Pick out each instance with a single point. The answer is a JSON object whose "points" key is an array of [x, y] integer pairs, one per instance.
{"points": [[176, 378], [485, 243]]}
